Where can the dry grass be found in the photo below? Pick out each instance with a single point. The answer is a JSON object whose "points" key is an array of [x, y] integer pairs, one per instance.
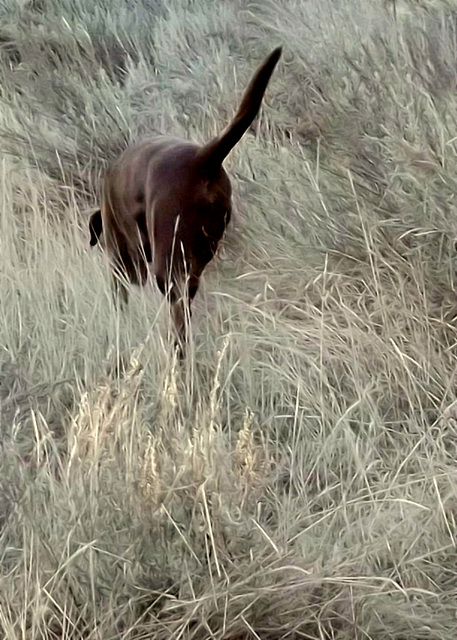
{"points": [[295, 478]]}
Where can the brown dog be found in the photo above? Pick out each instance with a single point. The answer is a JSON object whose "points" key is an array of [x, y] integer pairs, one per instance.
{"points": [[168, 201]]}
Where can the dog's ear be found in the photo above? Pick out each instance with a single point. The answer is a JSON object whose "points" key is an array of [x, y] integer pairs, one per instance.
{"points": [[95, 227]]}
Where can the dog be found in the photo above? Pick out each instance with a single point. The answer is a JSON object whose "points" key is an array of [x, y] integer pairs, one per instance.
{"points": [[167, 202]]}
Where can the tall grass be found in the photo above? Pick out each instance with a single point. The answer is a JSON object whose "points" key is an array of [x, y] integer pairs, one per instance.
{"points": [[295, 477]]}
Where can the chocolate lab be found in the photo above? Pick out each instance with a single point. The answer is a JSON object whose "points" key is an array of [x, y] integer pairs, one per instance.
{"points": [[168, 201]]}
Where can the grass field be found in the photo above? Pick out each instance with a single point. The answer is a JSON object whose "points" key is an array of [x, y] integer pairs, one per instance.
{"points": [[296, 476]]}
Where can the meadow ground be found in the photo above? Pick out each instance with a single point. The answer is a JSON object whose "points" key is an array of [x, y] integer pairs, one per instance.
{"points": [[296, 477]]}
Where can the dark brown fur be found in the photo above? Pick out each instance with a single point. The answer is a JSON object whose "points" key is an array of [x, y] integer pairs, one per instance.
{"points": [[168, 201]]}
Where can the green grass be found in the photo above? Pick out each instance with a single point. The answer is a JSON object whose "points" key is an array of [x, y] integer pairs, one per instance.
{"points": [[295, 477]]}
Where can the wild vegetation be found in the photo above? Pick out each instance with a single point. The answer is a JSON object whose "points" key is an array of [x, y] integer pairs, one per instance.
{"points": [[295, 477]]}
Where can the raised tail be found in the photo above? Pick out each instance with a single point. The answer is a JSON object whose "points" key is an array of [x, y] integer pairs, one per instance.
{"points": [[95, 227], [214, 152]]}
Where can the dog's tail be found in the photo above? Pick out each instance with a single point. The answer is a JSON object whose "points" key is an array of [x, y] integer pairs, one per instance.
{"points": [[214, 152], [95, 227]]}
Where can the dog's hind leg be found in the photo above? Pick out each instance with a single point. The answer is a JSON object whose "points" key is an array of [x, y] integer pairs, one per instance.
{"points": [[122, 273], [173, 289], [119, 289], [181, 307]]}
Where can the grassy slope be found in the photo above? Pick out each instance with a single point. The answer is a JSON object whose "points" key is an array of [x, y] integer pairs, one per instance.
{"points": [[296, 479]]}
